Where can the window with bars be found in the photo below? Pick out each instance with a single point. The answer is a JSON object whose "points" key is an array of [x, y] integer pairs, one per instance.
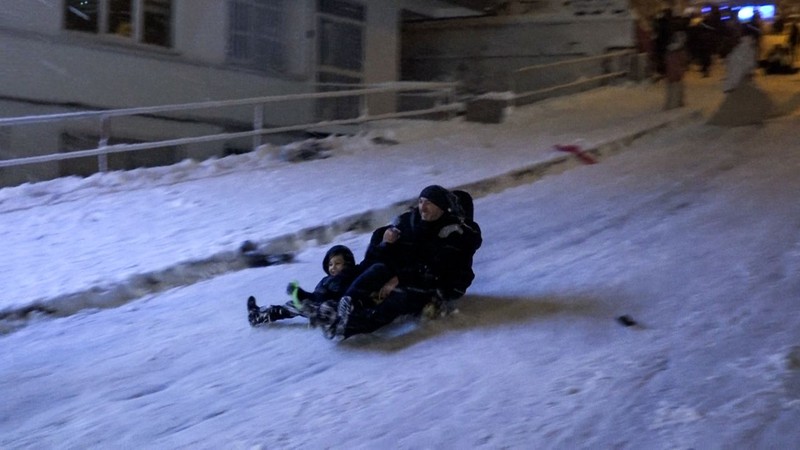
{"points": [[341, 40], [341, 45], [141, 21], [256, 34]]}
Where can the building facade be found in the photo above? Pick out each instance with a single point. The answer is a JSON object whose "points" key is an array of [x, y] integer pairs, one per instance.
{"points": [[483, 52], [76, 55]]}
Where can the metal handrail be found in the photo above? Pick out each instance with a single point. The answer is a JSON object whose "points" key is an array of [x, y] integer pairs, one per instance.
{"points": [[575, 60], [444, 90], [393, 87], [608, 74]]}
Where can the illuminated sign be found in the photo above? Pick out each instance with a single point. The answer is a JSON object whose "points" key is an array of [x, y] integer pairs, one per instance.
{"points": [[746, 13]]}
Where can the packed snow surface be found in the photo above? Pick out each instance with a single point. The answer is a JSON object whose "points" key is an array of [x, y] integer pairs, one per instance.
{"points": [[692, 232]]}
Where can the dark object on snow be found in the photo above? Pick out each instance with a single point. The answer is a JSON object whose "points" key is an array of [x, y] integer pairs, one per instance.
{"points": [[380, 140], [255, 258], [305, 151], [626, 320], [248, 246]]}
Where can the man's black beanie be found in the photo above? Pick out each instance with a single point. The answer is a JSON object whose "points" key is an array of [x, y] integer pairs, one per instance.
{"points": [[437, 195]]}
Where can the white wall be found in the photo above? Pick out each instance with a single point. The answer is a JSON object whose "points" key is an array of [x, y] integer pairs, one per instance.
{"points": [[44, 63], [198, 28], [56, 65], [39, 16], [44, 68]]}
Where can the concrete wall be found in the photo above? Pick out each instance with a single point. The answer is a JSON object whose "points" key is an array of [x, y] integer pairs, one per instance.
{"points": [[482, 52], [382, 52]]}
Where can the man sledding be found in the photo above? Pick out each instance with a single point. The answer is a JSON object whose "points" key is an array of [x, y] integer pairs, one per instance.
{"points": [[420, 262]]}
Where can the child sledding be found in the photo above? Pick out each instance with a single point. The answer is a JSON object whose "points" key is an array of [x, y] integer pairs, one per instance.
{"points": [[420, 262]]}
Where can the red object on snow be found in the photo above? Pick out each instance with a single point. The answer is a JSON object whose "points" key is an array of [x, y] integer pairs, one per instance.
{"points": [[576, 150]]}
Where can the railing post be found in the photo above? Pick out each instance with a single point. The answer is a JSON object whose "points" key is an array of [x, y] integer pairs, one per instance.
{"points": [[363, 107], [105, 133], [258, 125], [448, 100]]}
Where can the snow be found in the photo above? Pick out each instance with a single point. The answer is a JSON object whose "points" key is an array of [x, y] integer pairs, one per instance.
{"points": [[689, 229]]}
